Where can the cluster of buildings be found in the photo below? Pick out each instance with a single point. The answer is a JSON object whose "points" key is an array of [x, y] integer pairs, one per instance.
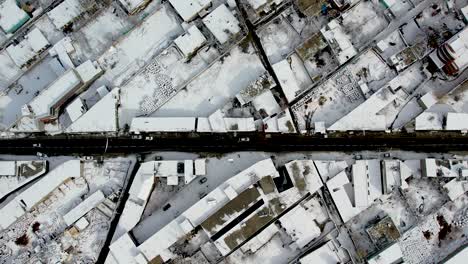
{"points": [[70, 207]]}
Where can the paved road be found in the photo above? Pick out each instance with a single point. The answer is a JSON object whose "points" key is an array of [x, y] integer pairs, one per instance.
{"points": [[222, 143]]}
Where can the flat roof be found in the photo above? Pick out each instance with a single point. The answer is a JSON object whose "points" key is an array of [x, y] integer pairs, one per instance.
{"points": [[163, 124], [188, 9], [7, 168], [41, 104], [84, 207], [222, 23]]}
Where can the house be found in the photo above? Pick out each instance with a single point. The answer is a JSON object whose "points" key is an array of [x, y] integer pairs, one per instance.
{"points": [[292, 76], [162, 124], [27, 51], [46, 105], [84, 207], [452, 56], [367, 182], [325, 254], [11, 16], [191, 41], [189, 9], [222, 24], [76, 109], [68, 11], [32, 196], [134, 6]]}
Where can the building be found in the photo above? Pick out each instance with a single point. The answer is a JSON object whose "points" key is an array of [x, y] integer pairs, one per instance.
{"points": [[292, 76], [101, 117], [68, 12], [27, 51], [222, 24], [162, 124], [325, 254], [189, 9], [452, 56], [191, 41], [11, 16], [134, 6], [15, 174], [207, 213], [337, 187], [84, 207], [39, 191], [367, 181], [46, 105], [390, 255], [76, 109]]}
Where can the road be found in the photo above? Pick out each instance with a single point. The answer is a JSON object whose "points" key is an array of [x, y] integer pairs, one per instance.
{"points": [[228, 142]]}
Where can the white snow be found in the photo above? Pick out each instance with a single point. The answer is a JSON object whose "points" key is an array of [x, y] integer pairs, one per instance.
{"points": [[266, 102], [162, 124], [299, 224], [457, 121], [391, 254], [75, 109], [26, 200], [212, 89], [65, 13], [366, 116], [189, 42], [102, 117], [245, 124], [326, 254], [293, 76], [7, 168], [9, 71], [84, 207], [132, 5], [429, 121], [222, 23], [88, 71], [188, 9], [11, 15], [41, 105], [138, 46]]}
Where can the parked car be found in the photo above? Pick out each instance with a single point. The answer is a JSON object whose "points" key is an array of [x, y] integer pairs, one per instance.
{"points": [[167, 206], [203, 180], [244, 139]]}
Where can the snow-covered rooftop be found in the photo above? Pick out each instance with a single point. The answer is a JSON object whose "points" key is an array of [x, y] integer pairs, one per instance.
{"points": [[65, 13], [84, 207], [366, 116], [222, 23], [299, 224], [391, 254], [189, 42], [26, 200], [336, 186], [430, 121], [292, 76], [162, 124], [132, 5], [326, 254], [11, 16], [457, 121], [188, 9], [102, 117], [75, 109], [7, 168], [66, 84]]}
